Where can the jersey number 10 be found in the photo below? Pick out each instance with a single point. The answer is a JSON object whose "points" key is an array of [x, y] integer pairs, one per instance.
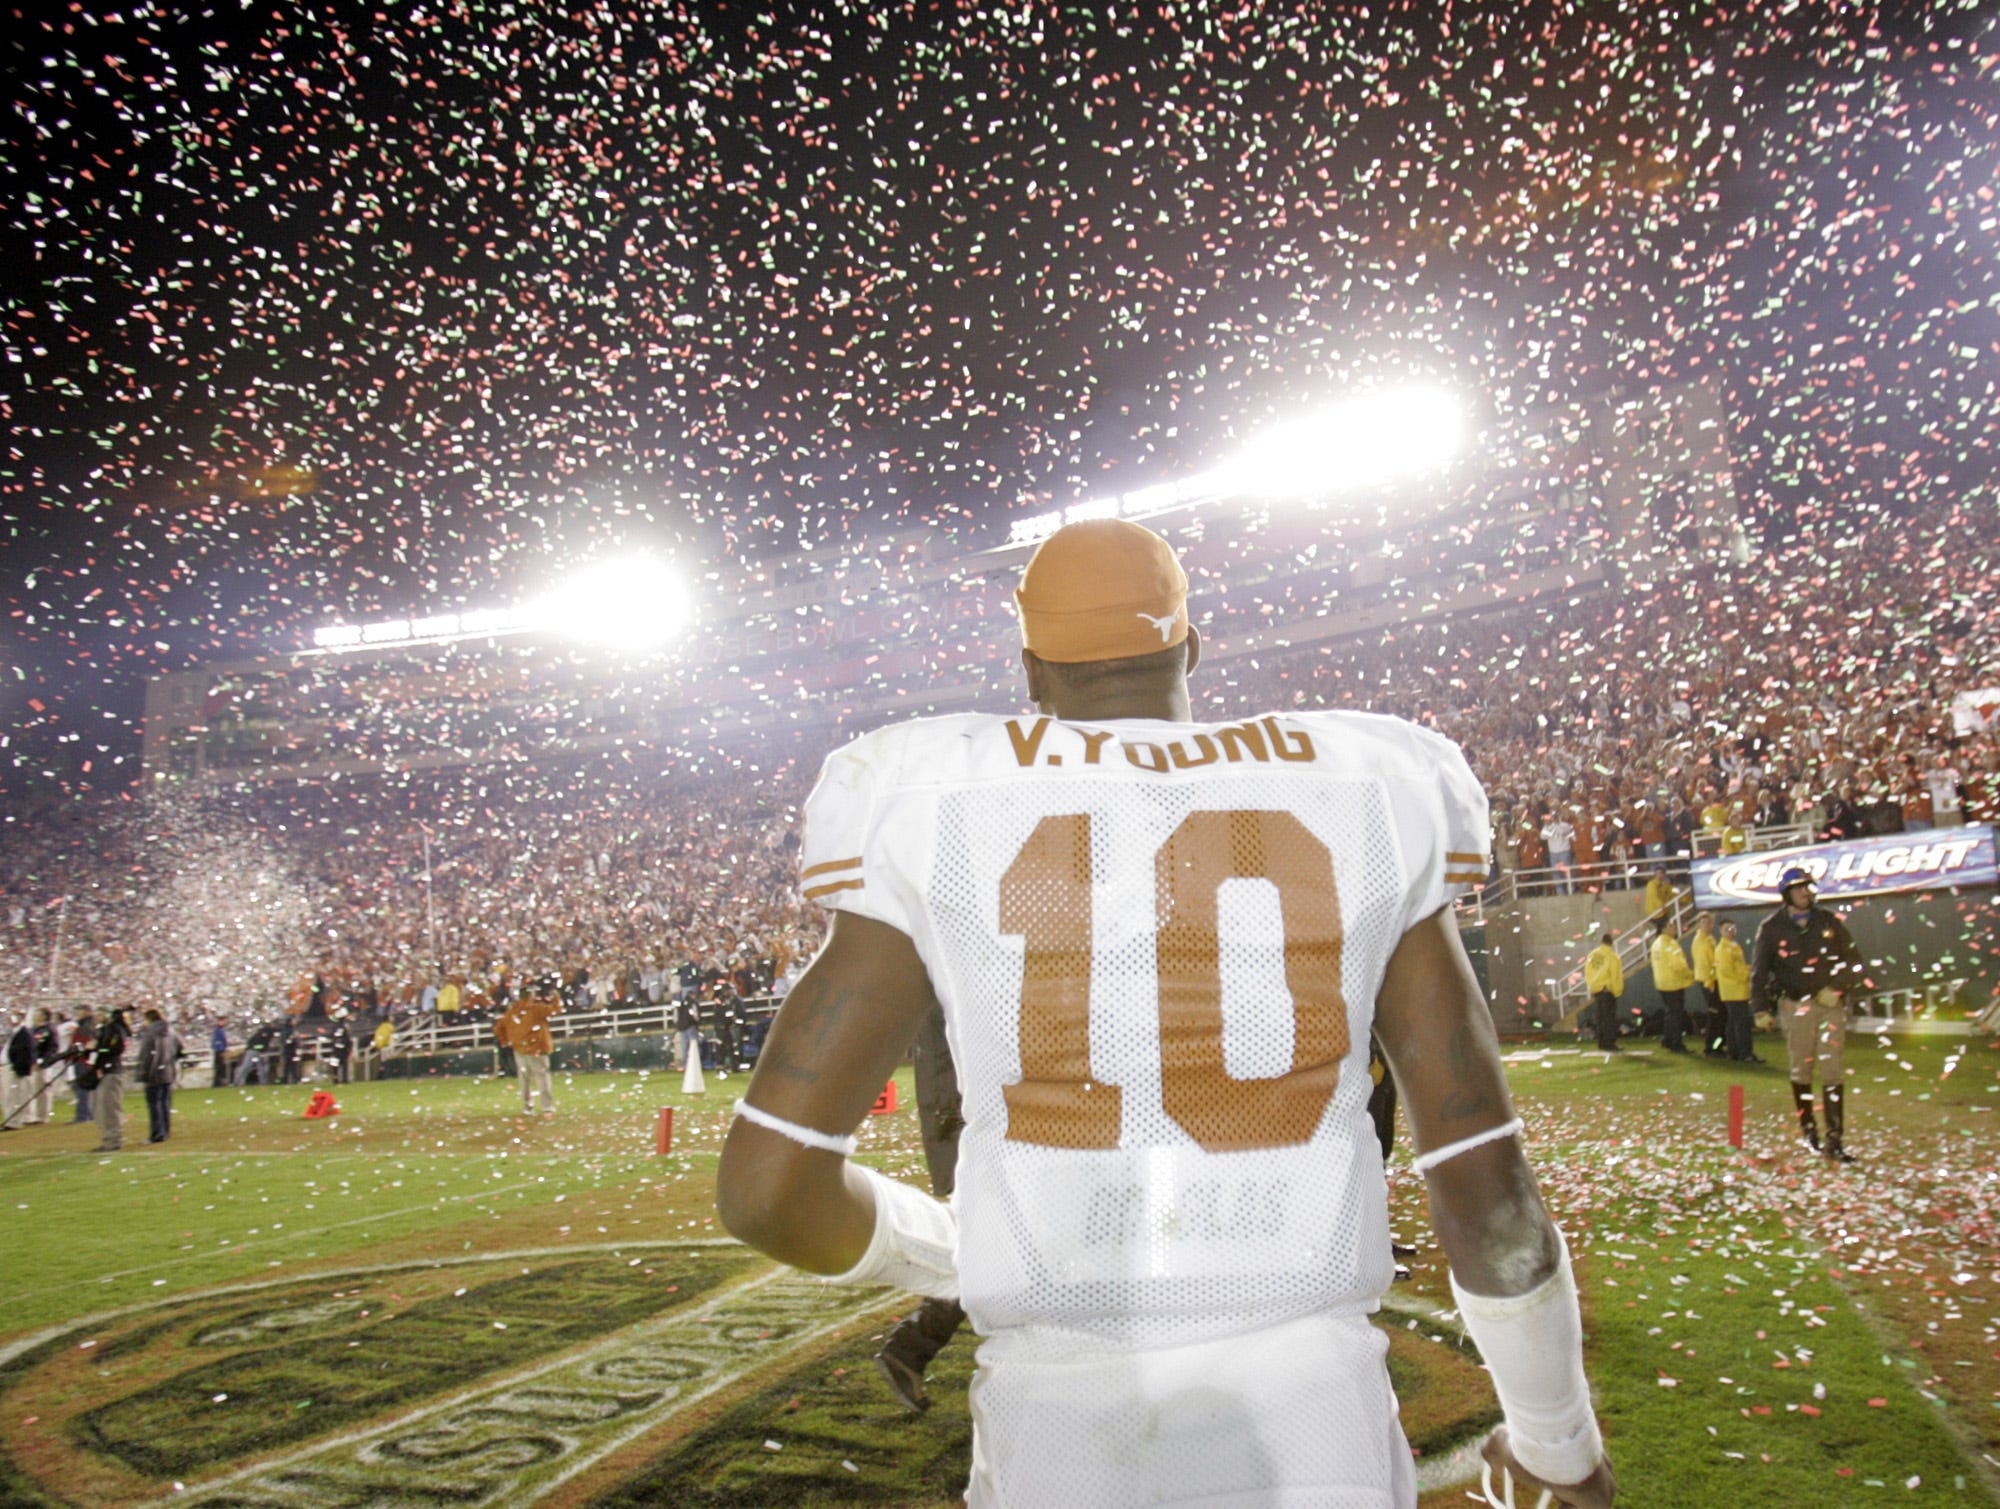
{"points": [[1045, 899]]}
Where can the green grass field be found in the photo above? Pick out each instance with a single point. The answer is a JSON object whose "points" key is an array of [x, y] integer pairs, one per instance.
{"points": [[432, 1299]]}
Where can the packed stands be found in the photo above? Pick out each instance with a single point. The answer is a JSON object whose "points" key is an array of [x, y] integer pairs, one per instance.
{"points": [[1721, 691]]}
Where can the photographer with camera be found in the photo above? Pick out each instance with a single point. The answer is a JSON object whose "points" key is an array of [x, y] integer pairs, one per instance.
{"points": [[33, 1063], [76, 1049]]}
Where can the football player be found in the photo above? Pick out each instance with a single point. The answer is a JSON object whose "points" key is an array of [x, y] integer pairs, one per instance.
{"points": [[1160, 946]]}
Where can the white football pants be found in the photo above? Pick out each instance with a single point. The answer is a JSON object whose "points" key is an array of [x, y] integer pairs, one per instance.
{"points": [[1295, 1416]]}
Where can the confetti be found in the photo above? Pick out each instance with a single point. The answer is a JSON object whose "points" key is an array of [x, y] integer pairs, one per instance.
{"points": [[339, 320]]}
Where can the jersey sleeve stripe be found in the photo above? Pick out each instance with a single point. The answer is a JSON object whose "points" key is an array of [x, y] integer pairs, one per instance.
{"points": [[1453, 877], [1452, 858], [815, 892], [832, 864]]}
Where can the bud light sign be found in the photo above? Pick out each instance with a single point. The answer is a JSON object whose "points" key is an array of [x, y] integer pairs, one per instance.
{"points": [[1927, 861]]}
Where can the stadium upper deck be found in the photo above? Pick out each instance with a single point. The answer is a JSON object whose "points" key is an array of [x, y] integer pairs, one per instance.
{"points": [[921, 621]]}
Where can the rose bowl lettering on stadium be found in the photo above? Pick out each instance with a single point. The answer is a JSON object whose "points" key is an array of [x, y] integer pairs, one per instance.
{"points": [[1853, 871]]}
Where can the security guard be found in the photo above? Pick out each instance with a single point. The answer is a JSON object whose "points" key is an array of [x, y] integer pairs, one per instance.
{"points": [[1701, 948], [1604, 976], [1802, 966], [1671, 978]]}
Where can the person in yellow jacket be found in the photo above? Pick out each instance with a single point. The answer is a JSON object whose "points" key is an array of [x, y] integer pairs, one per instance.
{"points": [[1732, 984], [1604, 977], [1702, 946], [1671, 978], [1659, 894], [525, 1029]]}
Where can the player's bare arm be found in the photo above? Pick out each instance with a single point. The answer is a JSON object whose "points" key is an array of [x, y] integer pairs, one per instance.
{"points": [[1437, 1033], [835, 1041], [1509, 1269]]}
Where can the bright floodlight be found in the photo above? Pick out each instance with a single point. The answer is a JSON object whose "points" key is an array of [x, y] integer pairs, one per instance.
{"points": [[1362, 442], [632, 603]]}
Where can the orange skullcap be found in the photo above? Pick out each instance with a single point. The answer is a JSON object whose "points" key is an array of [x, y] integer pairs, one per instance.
{"points": [[1102, 589]]}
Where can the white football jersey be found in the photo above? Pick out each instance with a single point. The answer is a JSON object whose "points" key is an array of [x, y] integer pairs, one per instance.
{"points": [[1158, 946]]}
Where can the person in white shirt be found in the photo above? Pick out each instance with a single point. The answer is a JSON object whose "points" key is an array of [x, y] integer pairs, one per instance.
{"points": [[1942, 779], [1160, 947], [1560, 835]]}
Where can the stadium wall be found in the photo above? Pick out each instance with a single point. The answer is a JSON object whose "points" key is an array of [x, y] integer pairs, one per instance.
{"points": [[1537, 939], [1917, 940]]}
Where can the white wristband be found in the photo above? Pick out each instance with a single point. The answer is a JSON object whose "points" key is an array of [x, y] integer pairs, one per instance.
{"points": [[913, 1244], [1423, 1163], [804, 1136], [1533, 1347]]}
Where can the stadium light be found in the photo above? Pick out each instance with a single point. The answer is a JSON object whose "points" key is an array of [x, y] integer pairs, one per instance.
{"points": [[1362, 442], [636, 602]]}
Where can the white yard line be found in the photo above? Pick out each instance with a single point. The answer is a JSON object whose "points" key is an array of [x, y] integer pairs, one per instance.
{"points": [[751, 1364]]}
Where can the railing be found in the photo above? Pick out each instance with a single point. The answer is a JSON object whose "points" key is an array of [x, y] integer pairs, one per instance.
{"points": [[1552, 880], [1909, 1000], [1630, 874], [1569, 994], [1708, 842], [68, 1002], [1886, 1011], [435, 1035]]}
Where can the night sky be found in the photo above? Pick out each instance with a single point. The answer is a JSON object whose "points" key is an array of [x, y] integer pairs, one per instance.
{"points": [[507, 286]]}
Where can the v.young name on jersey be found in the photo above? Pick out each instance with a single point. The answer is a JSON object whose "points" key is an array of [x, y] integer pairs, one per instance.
{"points": [[1260, 741]]}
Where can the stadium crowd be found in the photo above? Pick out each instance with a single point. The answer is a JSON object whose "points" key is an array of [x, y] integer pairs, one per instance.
{"points": [[1810, 686]]}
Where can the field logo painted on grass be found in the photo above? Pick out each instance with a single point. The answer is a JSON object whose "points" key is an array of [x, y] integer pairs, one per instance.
{"points": [[513, 1442], [484, 1381], [473, 1382]]}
